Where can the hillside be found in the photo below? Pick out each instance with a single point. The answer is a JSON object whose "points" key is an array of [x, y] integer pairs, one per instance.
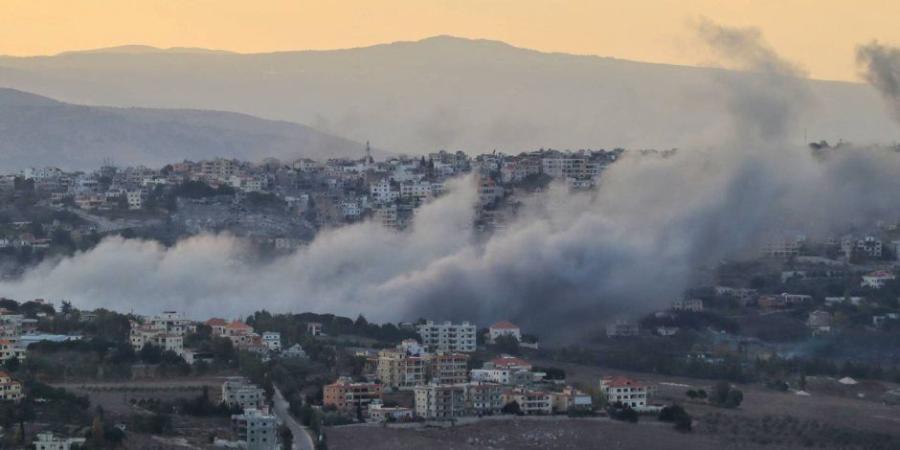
{"points": [[38, 131], [441, 92]]}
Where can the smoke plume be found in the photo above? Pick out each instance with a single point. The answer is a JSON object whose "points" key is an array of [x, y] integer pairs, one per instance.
{"points": [[566, 265], [881, 68]]}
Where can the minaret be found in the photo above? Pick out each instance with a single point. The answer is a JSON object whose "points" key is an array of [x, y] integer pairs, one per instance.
{"points": [[369, 159]]}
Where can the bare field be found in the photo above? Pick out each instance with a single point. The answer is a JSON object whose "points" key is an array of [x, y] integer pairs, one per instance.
{"points": [[550, 433], [837, 406]]}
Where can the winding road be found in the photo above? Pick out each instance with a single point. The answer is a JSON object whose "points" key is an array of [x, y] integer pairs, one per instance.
{"points": [[302, 439]]}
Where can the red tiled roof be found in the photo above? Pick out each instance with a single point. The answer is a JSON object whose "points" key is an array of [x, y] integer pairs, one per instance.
{"points": [[507, 361], [504, 325], [619, 381], [238, 325], [215, 321], [881, 274]]}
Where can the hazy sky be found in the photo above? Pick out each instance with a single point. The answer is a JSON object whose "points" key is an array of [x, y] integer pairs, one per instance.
{"points": [[819, 34]]}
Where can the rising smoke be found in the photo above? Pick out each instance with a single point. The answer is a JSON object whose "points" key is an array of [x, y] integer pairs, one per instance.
{"points": [[881, 68], [567, 264]]}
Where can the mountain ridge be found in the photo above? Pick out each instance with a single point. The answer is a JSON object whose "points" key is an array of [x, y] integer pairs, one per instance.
{"points": [[39, 131], [446, 92]]}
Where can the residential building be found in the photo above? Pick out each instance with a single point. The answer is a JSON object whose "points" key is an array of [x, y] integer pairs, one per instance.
{"points": [[448, 368], [531, 402], [504, 328], [570, 398], [867, 246], [10, 389], [411, 347], [692, 305], [628, 392], [622, 328], [272, 341], [135, 199], [217, 326], [506, 370], [171, 322], [380, 413], [49, 441], [314, 328], [448, 337], [294, 351], [147, 334], [435, 401], [349, 397], [397, 369], [484, 399], [819, 321], [241, 392], [257, 428], [877, 279]]}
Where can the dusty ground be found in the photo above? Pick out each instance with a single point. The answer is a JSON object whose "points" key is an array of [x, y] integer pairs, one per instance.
{"points": [[550, 433], [828, 402], [188, 432]]}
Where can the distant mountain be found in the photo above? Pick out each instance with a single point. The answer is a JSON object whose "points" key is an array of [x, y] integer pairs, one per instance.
{"points": [[441, 92], [38, 131]]}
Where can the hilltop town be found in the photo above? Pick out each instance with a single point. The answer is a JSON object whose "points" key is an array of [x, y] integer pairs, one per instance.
{"points": [[808, 323], [277, 205]]}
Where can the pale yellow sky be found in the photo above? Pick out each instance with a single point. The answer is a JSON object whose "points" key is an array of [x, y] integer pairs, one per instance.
{"points": [[819, 35]]}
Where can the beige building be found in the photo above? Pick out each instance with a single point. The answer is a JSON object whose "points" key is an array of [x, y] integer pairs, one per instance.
{"points": [[349, 397], [531, 402], [448, 368], [398, 370], [10, 389]]}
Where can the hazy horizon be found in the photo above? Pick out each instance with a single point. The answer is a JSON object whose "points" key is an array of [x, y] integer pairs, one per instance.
{"points": [[601, 28]]}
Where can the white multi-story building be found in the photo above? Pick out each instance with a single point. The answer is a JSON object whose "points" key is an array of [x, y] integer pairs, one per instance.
{"points": [[241, 392], [867, 246], [257, 428], [877, 279], [49, 441], [272, 341], [380, 413], [165, 331], [504, 328], [135, 199], [693, 305], [383, 191], [624, 390], [448, 337]]}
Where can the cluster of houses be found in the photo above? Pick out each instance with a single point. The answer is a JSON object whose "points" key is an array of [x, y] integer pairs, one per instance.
{"points": [[435, 370], [338, 190], [167, 331]]}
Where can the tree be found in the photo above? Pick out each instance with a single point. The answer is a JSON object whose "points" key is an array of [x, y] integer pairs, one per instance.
{"points": [[287, 438], [512, 408], [678, 416], [726, 396], [507, 344], [97, 433], [12, 364], [150, 354]]}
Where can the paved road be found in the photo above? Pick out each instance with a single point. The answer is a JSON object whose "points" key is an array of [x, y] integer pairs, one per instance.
{"points": [[302, 439]]}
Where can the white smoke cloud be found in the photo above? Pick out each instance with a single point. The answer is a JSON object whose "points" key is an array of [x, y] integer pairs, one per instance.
{"points": [[567, 264]]}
